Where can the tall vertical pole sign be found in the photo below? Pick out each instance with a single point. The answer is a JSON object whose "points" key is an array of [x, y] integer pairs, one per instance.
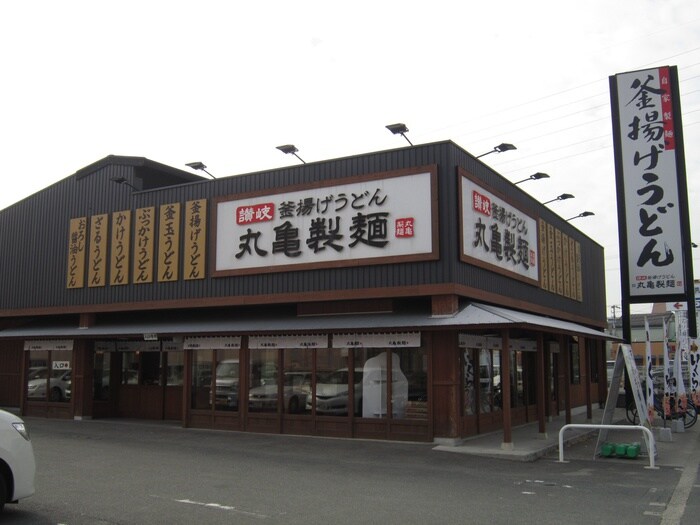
{"points": [[652, 193]]}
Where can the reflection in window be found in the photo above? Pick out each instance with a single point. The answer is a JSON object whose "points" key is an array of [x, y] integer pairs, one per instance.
{"points": [[100, 377], [469, 384], [130, 368], [227, 379], [575, 364], [409, 387], [297, 380], [263, 389], [49, 376], [374, 363], [489, 381], [176, 368], [201, 379], [332, 380]]}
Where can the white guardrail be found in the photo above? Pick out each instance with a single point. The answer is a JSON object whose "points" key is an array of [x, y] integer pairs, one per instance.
{"points": [[650, 442]]}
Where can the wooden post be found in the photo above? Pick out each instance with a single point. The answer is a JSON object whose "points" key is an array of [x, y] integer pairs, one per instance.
{"points": [[583, 345], [505, 392], [565, 352], [540, 378]]}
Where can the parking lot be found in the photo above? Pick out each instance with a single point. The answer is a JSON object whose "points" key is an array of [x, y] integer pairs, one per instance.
{"points": [[131, 472]]}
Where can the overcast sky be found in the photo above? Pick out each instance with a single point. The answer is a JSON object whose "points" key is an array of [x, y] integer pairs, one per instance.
{"points": [[225, 82]]}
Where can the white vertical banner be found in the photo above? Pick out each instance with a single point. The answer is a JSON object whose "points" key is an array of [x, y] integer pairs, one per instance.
{"points": [[668, 388], [649, 379], [648, 181], [681, 396], [681, 317], [694, 364]]}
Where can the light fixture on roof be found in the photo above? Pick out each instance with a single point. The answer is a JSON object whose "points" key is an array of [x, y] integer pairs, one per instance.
{"points": [[399, 129], [498, 149], [199, 166], [122, 180], [561, 197], [290, 149], [535, 176], [582, 214]]}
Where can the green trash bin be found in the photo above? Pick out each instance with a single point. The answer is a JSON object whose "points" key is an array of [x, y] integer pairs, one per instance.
{"points": [[633, 450], [621, 450], [607, 450]]}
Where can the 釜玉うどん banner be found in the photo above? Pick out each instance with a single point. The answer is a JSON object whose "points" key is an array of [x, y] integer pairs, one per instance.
{"points": [[650, 182], [373, 219]]}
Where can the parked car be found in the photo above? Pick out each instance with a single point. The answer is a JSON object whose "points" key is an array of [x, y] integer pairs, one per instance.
{"points": [[227, 379], [59, 384], [17, 464], [332, 393], [297, 388]]}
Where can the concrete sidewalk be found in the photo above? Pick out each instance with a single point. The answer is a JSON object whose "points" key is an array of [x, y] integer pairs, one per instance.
{"points": [[529, 445]]}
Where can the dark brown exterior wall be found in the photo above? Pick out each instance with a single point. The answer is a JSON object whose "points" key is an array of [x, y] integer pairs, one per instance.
{"points": [[38, 230], [11, 353]]}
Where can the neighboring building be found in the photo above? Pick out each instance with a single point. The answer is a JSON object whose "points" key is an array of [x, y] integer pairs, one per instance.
{"points": [[372, 296]]}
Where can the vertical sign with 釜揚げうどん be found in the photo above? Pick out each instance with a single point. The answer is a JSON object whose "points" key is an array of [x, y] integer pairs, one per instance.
{"points": [[373, 219], [651, 187], [495, 234]]}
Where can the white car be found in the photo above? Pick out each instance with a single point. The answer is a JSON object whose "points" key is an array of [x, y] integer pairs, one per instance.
{"points": [[296, 389], [60, 385], [17, 465], [332, 393]]}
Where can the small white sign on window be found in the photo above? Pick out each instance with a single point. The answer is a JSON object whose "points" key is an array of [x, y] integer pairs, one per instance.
{"points": [[61, 365]]}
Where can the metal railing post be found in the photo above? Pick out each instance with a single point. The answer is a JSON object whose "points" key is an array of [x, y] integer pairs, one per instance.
{"points": [[645, 430]]}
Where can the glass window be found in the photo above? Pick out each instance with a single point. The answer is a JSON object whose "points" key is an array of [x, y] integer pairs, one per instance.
{"points": [[176, 368], [373, 363], [575, 364], [201, 379], [332, 384], [490, 399], [469, 383], [297, 380], [409, 387], [37, 375], [49, 377], [227, 379], [263, 389], [593, 359], [151, 366], [516, 374], [100, 377], [130, 368]]}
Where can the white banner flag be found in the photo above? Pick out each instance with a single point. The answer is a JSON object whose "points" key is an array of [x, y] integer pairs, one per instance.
{"points": [[694, 363]]}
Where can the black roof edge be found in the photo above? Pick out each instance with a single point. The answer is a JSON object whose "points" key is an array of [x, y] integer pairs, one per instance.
{"points": [[120, 160]]}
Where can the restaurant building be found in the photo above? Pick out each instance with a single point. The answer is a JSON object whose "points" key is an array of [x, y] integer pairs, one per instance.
{"points": [[411, 294]]}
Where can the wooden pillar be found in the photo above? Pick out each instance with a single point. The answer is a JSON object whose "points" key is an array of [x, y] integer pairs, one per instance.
{"points": [[81, 380], [565, 353], [547, 381], [540, 378], [505, 392], [583, 345], [600, 348]]}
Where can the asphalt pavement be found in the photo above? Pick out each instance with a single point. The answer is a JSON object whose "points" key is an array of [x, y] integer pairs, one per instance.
{"points": [[104, 472]]}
